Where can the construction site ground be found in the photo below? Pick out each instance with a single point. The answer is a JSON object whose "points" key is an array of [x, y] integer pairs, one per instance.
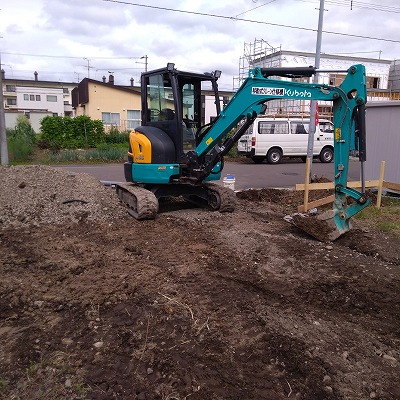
{"points": [[192, 305]]}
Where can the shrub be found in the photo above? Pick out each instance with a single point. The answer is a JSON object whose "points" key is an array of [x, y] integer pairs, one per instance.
{"points": [[21, 140], [72, 133], [115, 137]]}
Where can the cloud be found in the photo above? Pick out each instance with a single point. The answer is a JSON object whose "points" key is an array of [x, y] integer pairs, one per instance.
{"points": [[201, 36]]}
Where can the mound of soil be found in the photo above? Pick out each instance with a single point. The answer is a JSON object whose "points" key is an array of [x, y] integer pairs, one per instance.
{"points": [[194, 304]]}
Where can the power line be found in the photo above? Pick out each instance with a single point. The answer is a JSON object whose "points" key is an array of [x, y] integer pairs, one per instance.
{"points": [[249, 20], [254, 8], [71, 57], [369, 6], [358, 4]]}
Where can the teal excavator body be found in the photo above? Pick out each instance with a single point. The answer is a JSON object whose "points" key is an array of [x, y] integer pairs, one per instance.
{"points": [[175, 153]]}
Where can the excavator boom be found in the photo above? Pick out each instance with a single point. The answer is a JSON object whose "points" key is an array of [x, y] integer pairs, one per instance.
{"points": [[174, 153]]}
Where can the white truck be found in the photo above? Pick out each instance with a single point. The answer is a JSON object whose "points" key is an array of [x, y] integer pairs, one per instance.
{"points": [[275, 138]]}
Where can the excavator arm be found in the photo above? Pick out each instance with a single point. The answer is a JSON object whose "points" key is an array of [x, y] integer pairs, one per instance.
{"points": [[252, 98]]}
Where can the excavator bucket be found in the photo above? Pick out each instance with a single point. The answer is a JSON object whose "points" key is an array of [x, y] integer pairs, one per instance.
{"points": [[330, 225], [322, 227]]}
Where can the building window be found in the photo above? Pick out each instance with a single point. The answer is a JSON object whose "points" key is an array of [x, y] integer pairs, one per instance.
{"points": [[55, 114], [372, 82], [11, 102], [38, 97], [27, 114], [32, 97], [110, 118], [51, 98], [65, 90], [133, 119], [336, 79], [10, 88], [302, 79], [26, 96]]}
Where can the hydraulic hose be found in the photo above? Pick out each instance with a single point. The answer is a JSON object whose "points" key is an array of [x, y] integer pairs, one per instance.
{"points": [[362, 145]]}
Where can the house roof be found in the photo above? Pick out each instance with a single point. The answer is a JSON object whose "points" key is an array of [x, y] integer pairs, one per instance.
{"points": [[130, 89], [38, 82], [326, 55]]}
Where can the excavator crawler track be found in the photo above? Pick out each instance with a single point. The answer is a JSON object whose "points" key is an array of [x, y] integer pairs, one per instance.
{"points": [[141, 203], [221, 198]]}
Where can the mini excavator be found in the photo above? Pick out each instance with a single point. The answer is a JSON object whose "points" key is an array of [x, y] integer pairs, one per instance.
{"points": [[172, 153]]}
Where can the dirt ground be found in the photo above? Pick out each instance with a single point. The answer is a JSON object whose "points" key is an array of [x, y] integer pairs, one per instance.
{"points": [[192, 305]]}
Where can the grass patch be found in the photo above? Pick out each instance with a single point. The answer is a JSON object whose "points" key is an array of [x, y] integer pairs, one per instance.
{"points": [[3, 383], [386, 218], [54, 376], [101, 154]]}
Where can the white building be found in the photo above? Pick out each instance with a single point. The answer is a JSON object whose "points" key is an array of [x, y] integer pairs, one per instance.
{"points": [[209, 107], [377, 70], [261, 54], [35, 99]]}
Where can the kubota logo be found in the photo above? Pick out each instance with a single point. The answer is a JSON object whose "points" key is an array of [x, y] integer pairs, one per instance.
{"points": [[282, 92]]}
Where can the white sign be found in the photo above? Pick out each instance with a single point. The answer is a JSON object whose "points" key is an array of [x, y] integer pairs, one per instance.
{"points": [[268, 91], [265, 91]]}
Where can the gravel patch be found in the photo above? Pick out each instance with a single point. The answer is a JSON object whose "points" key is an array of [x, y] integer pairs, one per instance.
{"points": [[37, 194]]}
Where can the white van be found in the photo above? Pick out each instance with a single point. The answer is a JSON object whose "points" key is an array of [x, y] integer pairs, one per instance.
{"points": [[274, 138]]}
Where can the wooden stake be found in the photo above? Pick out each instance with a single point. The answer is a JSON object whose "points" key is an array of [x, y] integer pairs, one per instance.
{"points": [[381, 175], [317, 203]]}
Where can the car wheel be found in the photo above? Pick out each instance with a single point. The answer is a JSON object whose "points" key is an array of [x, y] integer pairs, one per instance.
{"points": [[274, 156], [326, 155]]}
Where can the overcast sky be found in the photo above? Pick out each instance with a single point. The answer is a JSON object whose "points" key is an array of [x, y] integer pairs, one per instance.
{"points": [[61, 39]]}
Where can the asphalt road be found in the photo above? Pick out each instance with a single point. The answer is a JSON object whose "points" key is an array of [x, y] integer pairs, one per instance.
{"points": [[247, 175]]}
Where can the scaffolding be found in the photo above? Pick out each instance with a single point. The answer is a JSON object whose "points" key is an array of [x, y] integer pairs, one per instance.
{"points": [[255, 54], [261, 54]]}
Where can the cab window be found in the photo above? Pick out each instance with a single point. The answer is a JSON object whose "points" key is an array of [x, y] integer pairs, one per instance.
{"points": [[160, 100], [189, 124]]}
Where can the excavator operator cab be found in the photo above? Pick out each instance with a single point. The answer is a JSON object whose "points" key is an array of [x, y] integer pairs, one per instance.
{"points": [[172, 102]]}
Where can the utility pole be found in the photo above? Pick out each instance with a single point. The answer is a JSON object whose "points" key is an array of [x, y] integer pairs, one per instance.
{"points": [[313, 106], [3, 133], [145, 63], [88, 66]]}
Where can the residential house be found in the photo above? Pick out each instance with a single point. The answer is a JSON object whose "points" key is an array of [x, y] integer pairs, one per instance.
{"points": [[116, 106], [35, 99], [120, 106]]}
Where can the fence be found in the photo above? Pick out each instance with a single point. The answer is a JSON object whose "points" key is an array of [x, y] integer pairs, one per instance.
{"points": [[379, 183]]}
